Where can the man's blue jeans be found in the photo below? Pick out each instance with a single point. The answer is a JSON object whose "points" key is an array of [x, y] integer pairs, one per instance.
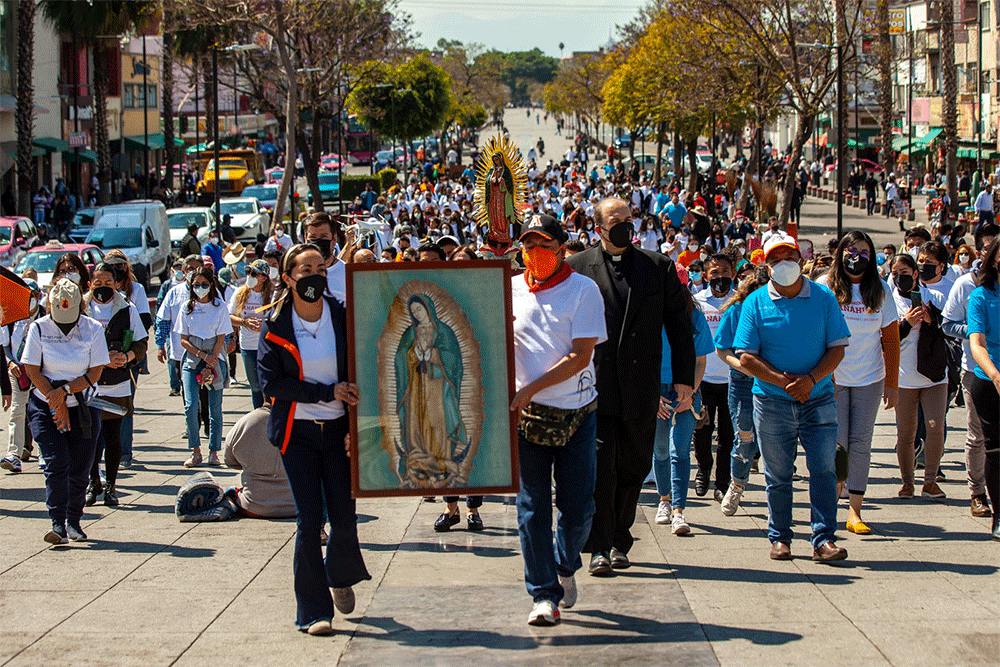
{"points": [[191, 386], [173, 370], [781, 425], [250, 366], [741, 411], [672, 449], [574, 466]]}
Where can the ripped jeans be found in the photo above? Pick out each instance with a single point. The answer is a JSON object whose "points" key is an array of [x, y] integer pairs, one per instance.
{"points": [[745, 446]]}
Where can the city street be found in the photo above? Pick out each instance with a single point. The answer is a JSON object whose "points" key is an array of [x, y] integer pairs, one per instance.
{"points": [[147, 590]]}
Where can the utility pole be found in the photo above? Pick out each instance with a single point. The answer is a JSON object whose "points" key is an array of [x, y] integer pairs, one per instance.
{"points": [[145, 118], [215, 144]]}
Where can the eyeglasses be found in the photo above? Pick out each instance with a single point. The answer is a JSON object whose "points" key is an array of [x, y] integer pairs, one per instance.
{"points": [[859, 253]]}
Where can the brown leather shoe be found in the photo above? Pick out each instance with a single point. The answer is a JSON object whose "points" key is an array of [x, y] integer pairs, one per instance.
{"points": [[828, 551], [979, 506], [781, 551], [906, 491], [932, 490]]}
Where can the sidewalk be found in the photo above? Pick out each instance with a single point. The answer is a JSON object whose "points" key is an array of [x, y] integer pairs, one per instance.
{"points": [[148, 590]]}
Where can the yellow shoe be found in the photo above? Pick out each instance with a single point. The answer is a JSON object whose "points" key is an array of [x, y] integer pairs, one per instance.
{"points": [[858, 528]]}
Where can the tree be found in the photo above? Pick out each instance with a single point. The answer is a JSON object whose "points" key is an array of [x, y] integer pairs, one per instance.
{"points": [[949, 106], [92, 23], [476, 87], [24, 116], [520, 67], [578, 88], [420, 110], [561, 47], [885, 58], [167, 77]]}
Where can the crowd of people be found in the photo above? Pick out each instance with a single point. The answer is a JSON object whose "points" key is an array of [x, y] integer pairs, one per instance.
{"points": [[644, 327]]}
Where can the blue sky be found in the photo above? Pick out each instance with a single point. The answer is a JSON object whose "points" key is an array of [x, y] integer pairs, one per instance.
{"points": [[520, 25]]}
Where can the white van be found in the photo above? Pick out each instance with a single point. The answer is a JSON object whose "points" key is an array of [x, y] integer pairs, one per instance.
{"points": [[141, 231]]}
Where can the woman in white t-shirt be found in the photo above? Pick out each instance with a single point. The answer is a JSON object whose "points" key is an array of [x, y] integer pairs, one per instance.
{"points": [[302, 363], [204, 325], [915, 388], [64, 353], [244, 313], [649, 236], [126, 340], [869, 371]]}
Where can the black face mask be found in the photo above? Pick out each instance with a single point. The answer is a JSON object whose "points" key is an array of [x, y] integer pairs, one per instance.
{"points": [[927, 271], [103, 294], [311, 288], [621, 234], [324, 246], [904, 283], [721, 285], [855, 264]]}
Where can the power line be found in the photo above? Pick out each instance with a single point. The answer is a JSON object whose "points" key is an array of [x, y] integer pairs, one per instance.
{"points": [[445, 4]]}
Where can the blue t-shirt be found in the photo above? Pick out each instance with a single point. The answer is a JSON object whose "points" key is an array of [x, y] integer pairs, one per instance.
{"points": [[726, 333], [984, 317], [792, 335], [702, 345], [676, 213]]}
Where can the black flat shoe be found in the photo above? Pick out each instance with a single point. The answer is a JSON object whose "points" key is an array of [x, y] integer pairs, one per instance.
{"points": [[475, 522], [445, 522], [600, 565], [110, 497], [701, 483], [92, 492]]}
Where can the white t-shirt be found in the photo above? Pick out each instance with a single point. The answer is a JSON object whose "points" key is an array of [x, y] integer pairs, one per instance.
{"points": [[282, 243], [956, 310], [546, 324], [15, 337], [863, 363], [139, 299], [939, 291], [206, 320], [170, 311], [336, 280], [909, 377], [716, 370], [102, 312], [65, 357], [318, 350], [248, 337]]}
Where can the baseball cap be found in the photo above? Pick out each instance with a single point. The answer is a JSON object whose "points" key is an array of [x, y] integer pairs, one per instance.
{"points": [[64, 301], [448, 238], [545, 226], [779, 241]]}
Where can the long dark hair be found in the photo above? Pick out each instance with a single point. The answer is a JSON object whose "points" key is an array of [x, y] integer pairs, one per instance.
{"points": [[872, 291], [74, 260], [213, 289], [758, 279], [988, 268]]}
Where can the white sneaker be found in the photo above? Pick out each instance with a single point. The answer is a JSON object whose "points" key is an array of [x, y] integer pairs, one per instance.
{"points": [[663, 512], [569, 591], [679, 525], [731, 501], [543, 613]]}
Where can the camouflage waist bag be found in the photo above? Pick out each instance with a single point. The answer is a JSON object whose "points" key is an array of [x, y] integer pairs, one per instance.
{"points": [[552, 427]]}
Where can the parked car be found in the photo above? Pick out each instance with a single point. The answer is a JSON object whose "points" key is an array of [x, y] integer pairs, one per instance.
{"points": [[382, 159], [16, 236], [331, 161], [83, 222], [180, 218], [43, 259], [140, 230], [249, 217], [267, 195], [274, 174], [329, 187]]}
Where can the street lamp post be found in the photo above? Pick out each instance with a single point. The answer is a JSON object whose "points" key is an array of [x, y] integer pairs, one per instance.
{"points": [[145, 117], [236, 49], [215, 132]]}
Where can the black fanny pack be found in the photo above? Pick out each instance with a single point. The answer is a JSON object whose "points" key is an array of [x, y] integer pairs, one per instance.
{"points": [[552, 427]]}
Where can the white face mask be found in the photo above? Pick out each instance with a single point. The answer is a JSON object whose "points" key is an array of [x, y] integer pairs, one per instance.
{"points": [[74, 276], [251, 281], [214, 240], [704, 256], [693, 248], [913, 252], [32, 304], [272, 273], [201, 291], [963, 258], [786, 272]]}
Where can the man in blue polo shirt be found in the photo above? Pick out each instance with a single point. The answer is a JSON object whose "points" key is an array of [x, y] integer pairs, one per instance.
{"points": [[676, 211], [790, 338]]}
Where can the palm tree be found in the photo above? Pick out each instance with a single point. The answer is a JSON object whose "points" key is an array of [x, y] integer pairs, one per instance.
{"points": [[885, 57], [561, 47], [92, 23], [950, 102], [24, 113], [196, 42], [167, 77]]}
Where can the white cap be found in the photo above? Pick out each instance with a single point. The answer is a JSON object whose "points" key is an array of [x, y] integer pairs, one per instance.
{"points": [[778, 241]]}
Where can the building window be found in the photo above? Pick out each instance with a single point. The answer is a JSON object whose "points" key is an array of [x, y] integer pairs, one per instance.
{"points": [[984, 15], [132, 96]]}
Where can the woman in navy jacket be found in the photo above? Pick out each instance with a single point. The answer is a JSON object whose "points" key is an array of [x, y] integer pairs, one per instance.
{"points": [[302, 361]]}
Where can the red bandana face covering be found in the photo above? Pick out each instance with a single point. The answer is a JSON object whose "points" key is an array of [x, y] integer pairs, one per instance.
{"points": [[559, 276]]}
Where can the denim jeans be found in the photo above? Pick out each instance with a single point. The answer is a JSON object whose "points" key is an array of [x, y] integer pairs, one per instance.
{"points": [[672, 449], [67, 459], [781, 425], [250, 366], [191, 387], [741, 411], [319, 475], [574, 466], [173, 370]]}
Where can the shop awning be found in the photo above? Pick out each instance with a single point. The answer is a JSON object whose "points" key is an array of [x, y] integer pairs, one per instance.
{"points": [[86, 155], [973, 154], [929, 137], [50, 144], [137, 142], [35, 152]]}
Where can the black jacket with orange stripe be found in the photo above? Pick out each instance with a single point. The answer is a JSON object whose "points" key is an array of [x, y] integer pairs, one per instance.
{"points": [[279, 366]]}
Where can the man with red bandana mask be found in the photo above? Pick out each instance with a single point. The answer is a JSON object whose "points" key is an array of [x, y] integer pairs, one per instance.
{"points": [[558, 319]]}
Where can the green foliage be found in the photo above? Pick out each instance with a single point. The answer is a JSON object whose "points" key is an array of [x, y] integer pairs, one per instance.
{"points": [[386, 179], [352, 185], [522, 67], [408, 100]]}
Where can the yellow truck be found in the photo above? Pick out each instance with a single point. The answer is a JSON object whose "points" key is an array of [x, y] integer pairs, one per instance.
{"points": [[237, 169]]}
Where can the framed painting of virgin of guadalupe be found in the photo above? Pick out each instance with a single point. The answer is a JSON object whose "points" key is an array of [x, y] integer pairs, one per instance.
{"points": [[432, 355]]}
